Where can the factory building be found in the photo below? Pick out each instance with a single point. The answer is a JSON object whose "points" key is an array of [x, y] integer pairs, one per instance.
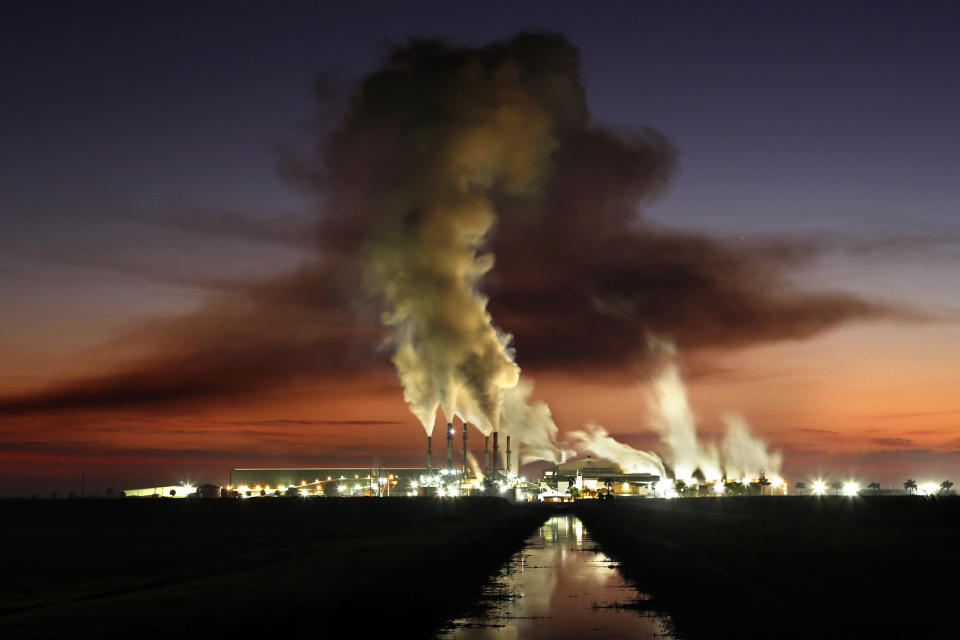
{"points": [[591, 477], [171, 491], [333, 481]]}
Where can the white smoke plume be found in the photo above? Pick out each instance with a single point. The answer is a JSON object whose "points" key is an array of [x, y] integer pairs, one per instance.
{"points": [[595, 440], [686, 457], [672, 417], [475, 466], [531, 427], [742, 454]]}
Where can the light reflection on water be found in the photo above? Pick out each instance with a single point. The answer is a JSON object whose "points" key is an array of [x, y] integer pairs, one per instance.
{"points": [[560, 586]]}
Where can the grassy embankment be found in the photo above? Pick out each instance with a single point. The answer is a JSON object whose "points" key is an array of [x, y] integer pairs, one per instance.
{"points": [[178, 568], [783, 567]]}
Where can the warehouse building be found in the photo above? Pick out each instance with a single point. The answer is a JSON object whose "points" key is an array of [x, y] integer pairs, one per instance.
{"points": [[171, 491], [591, 476]]}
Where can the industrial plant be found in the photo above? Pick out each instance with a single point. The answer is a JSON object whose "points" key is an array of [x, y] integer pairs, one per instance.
{"points": [[456, 478], [462, 476]]}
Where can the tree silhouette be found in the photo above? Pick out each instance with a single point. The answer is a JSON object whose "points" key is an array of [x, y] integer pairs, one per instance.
{"points": [[763, 482], [836, 486], [945, 487], [875, 486], [910, 485], [801, 486]]}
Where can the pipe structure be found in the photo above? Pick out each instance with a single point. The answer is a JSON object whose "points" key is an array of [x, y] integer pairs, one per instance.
{"points": [[464, 449], [486, 453], [449, 446], [430, 454], [508, 454], [496, 449]]}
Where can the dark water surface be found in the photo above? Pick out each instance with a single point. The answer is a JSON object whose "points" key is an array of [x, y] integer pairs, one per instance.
{"points": [[559, 586]]}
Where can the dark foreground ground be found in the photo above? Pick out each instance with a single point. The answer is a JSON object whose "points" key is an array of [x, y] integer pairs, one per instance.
{"points": [[803, 567], [188, 569]]}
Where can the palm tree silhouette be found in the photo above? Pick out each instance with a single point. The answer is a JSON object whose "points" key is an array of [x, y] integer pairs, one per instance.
{"points": [[801, 486], [836, 486], [680, 486], [875, 486], [945, 486], [910, 485], [763, 482]]}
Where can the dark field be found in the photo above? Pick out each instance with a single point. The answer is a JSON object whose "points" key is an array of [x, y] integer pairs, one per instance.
{"points": [[183, 568], [791, 567]]}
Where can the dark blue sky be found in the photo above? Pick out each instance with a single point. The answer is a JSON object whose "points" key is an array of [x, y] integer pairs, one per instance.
{"points": [[786, 114]]}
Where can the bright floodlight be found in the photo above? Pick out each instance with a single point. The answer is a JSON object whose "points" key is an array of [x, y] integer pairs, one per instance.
{"points": [[850, 488], [819, 487], [718, 487], [776, 482]]}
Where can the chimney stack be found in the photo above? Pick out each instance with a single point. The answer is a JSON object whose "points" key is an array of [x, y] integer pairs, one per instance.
{"points": [[449, 446], [464, 449], [496, 449], [508, 454], [429, 454], [486, 453]]}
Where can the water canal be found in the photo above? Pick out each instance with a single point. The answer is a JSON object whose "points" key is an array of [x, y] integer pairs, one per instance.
{"points": [[560, 586]]}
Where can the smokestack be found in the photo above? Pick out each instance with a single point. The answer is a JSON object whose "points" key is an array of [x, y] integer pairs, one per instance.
{"points": [[429, 454], [464, 448], [508, 454], [486, 453], [496, 448], [449, 446]]}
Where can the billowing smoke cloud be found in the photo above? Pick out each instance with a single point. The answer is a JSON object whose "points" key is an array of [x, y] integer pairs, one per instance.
{"points": [[745, 455], [461, 126], [742, 455], [595, 440], [531, 426], [687, 457], [445, 157], [672, 417]]}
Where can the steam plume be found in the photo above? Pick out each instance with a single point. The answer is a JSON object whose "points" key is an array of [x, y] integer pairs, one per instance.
{"points": [[464, 125], [686, 456], [475, 466], [531, 426], [742, 456], [595, 440], [745, 455]]}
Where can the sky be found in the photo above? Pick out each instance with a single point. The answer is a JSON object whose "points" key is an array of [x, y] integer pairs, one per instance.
{"points": [[152, 197]]}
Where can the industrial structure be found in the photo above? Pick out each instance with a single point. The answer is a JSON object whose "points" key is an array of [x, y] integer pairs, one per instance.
{"points": [[590, 477], [582, 478], [326, 481], [170, 491]]}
